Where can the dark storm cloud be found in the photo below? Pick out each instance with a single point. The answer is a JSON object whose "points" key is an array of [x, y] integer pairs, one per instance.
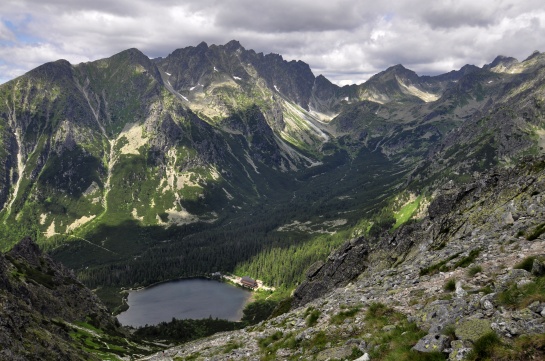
{"points": [[292, 16]]}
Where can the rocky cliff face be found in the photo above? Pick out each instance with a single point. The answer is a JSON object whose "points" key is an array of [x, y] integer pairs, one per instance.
{"points": [[470, 273], [44, 308]]}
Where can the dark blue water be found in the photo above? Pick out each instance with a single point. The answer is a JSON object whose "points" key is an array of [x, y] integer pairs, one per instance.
{"points": [[192, 298]]}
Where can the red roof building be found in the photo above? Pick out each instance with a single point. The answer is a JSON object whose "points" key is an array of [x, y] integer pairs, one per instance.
{"points": [[248, 282]]}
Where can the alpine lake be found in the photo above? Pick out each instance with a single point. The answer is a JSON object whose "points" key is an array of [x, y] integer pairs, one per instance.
{"points": [[194, 298]]}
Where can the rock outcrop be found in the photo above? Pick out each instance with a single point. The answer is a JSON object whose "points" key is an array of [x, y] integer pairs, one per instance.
{"points": [[42, 303]]}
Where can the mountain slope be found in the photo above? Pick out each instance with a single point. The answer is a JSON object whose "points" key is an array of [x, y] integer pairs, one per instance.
{"points": [[47, 314], [470, 272], [121, 164]]}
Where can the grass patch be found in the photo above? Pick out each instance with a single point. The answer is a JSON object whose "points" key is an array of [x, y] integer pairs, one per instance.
{"points": [[483, 348], [406, 212], [438, 267], [267, 341], [520, 297], [471, 272], [527, 347], [269, 345], [450, 285], [449, 331], [311, 316], [525, 264], [339, 318], [536, 232], [466, 261], [396, 344], [231, 345]]}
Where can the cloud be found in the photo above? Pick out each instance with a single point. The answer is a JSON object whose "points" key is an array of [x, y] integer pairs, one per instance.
{"points": [[345, 40], [6, 35]]}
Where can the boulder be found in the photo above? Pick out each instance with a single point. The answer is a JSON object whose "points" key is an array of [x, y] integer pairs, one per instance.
{"points": [[365, 357], [459, 351], [538, 268], [337, 353], [432, 343], [472, 329]]}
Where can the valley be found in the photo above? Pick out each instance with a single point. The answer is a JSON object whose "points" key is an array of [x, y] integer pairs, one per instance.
{"points": [[133, 171]]}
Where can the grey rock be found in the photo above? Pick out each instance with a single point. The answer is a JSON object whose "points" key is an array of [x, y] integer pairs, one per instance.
{"points": [[459, 351], [536, 307], [341, 268], [508, 218], [523, 282], [340, 353], [432, 343], [365, 357], [486, 301], [472, 329], [512, 277], [460, 292], [538, 268]]}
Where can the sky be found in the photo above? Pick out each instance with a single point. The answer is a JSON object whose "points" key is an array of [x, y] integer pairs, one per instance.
{"points": [[347, 41]]}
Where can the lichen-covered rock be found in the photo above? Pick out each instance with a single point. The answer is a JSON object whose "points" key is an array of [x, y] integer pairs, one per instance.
{"points": [[335, 353], [432, 343], [538, 268], [459, 350], [472, 329], [512, 277]]}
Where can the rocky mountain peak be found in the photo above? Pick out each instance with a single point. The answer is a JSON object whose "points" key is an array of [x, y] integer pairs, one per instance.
{"points": [[54, 71], [233, 45], [501, 63], [28, 250], [535, 54]]}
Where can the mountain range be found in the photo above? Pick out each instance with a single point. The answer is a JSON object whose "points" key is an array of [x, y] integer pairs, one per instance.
{"points": [[133, 170]]}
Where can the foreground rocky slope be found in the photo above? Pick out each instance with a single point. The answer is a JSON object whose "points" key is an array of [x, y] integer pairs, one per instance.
{"points": [[46, 314], [465, 282]]}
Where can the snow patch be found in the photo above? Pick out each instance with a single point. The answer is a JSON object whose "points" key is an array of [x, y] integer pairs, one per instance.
{"points": [[229, 195], [187, 100], [347, 99], [237, 78], [214, 174], [275, 87], [193, 87], [168, 73], [215, 69]]}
